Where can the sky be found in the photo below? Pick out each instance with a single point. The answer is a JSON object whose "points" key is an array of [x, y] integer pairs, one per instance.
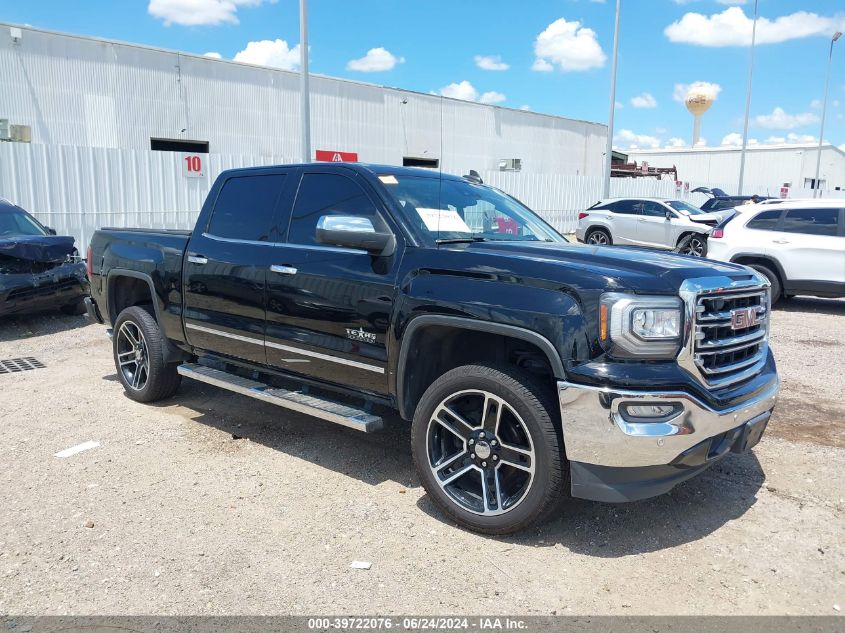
{"points": [[549, 56]]}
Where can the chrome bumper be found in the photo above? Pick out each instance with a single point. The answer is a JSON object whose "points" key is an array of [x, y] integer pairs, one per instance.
{"points": [[597, 431]]}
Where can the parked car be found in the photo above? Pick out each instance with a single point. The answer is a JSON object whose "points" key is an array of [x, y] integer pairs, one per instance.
{"points": [[528, 366], [719, 200], [39, 270], [653, 222], [799, 246]]}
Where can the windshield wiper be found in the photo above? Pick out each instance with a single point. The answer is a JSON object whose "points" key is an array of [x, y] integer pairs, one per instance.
{"points": [[460, 240]]}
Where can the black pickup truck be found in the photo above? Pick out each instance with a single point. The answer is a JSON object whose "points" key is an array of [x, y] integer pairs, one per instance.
{"points": [[531, 368]]}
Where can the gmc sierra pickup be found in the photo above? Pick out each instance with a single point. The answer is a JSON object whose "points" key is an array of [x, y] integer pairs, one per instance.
{"points": [[531, 368]]}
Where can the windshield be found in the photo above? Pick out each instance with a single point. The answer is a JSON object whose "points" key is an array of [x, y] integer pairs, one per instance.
{"points": [[684, 207], [457, 209], [19, 223]]}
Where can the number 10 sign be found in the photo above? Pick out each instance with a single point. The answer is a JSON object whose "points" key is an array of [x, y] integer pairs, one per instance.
{"points": [[193, 165]]}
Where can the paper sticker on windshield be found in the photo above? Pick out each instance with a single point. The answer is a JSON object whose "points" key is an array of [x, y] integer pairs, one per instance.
{"points": [[389, 180], [443, 220]]}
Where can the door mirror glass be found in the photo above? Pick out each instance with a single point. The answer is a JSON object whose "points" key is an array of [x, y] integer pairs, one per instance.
{"points": [[349, 231]]}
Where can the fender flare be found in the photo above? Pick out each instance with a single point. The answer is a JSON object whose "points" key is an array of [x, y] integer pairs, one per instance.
{"points": [[125, 272], [512, 331]]}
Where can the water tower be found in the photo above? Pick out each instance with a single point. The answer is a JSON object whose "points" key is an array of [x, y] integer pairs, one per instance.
{"points": [[698, 101]]}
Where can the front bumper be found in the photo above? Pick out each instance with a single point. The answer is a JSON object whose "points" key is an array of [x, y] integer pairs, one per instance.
{"points": [[28, 292], [614, 457]]}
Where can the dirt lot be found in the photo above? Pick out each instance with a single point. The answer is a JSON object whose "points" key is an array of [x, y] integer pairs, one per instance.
{"points": [[173, 515]]}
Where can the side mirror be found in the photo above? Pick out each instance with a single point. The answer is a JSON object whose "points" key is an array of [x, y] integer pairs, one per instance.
{"points": [[669, 215], [350, 231], [50, 230]]}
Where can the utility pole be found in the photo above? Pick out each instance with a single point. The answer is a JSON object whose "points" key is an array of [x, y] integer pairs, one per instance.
{"points": [[608, 155], [304, 93], [747, 103], [818, 190]]}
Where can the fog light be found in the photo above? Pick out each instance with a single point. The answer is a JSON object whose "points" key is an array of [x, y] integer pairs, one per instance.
{"points": [[650, 410]]}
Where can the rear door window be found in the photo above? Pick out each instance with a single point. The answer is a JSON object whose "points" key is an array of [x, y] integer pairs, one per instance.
{"points": [[625, 207], [811, 221], [246, 208]]}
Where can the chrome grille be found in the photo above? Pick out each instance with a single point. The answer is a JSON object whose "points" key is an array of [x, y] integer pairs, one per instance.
{"points": [[726, 352]]}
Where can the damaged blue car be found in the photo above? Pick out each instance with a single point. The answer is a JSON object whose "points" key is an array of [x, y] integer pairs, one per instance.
{"points": [[39, 270]]}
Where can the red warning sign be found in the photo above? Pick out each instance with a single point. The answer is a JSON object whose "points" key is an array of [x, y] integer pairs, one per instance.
{"points": [[332, 156]]}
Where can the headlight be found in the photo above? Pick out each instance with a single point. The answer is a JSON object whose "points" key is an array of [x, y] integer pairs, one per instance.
{"points": [[642, 326]]}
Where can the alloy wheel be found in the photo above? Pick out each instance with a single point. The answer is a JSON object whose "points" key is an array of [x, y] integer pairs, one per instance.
{"points": [[480, 452], [597, 237], [695, 247], [132, 355]]}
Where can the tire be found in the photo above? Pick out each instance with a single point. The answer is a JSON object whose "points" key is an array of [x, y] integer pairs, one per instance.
{"points": [[530, 471], [599, 237], [74, 309], [139, 344], [693, 244], [773, 278]]}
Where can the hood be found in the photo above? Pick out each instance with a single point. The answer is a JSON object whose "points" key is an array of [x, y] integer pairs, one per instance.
{"points": [[622, 267], [712, 218], [37, 248]]}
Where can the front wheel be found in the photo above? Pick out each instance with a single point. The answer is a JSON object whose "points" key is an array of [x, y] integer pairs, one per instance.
{"points": [[487, 448], [694, 245], [139, 347]]}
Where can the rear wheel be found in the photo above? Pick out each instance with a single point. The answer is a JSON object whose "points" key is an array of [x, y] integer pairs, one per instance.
{"points": [[139, 345], [774, 280], [487, 450], [599, 237]]}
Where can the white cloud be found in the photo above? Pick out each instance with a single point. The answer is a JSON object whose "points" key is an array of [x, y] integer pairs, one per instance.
{"points": [[735, 139], [274, 53], [780, 120], [791, 139], [702, 142], [569, 46], [525, 107], [492, 97], [635, 141], [619, 105], [681, 90], [490, 62], [465, 91], [677, 142], [376, 60], [732, 27], [199, 12], [645, 100], [816, 104], [842, 147], [213, 55]]}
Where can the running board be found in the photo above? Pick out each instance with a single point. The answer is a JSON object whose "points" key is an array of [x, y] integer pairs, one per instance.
{"points": [[294, 400]]}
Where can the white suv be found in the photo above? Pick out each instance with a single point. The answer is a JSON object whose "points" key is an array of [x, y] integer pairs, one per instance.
{"points": [[666, 224], [798, 245]]}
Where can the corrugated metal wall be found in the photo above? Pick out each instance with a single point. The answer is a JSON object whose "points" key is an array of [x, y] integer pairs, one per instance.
{"points": [[84, 92], [77, 190]]}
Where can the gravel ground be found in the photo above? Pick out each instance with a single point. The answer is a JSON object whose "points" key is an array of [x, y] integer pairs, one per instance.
{"points": [[172, 514]]}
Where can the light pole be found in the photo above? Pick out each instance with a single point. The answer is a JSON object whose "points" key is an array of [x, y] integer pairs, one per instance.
{"points": [[608, 155], [817, 191], [747, 103], [304, 94]]}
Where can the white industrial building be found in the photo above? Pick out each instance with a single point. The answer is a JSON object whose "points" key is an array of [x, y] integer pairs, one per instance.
{"points": [[768, 168], [65, 90]]}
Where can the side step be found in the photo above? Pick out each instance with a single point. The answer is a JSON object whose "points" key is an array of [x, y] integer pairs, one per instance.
{"points": [[296, 401]]}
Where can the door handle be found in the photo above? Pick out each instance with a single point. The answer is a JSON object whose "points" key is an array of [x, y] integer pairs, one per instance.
{"points": [[780, 241], [197, 259], [283, 270]]}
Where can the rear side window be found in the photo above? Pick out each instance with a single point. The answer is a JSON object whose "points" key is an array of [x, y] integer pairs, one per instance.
{"points": [[328, 194], [625, 207], [245, 208], [765, 221], [811, 221]]}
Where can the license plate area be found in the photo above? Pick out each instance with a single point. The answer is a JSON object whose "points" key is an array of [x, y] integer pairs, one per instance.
{"points": [[752, 431]]}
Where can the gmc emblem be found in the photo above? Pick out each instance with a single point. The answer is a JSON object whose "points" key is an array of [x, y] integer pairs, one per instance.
{"points": [[743, 318]]}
